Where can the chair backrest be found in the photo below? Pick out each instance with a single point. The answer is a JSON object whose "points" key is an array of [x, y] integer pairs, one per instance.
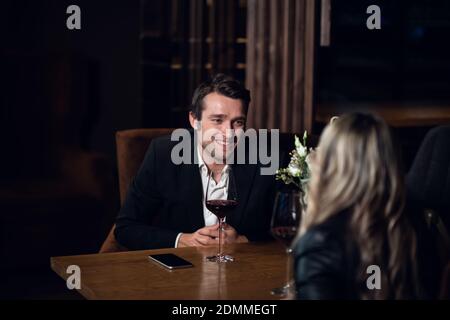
{"points": [[131, 148], [445, 284], [428, 184], [428, 180]]}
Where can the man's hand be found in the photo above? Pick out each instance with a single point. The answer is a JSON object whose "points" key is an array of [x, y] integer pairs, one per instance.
{"points": [[230, 235], [210, 236], [202, 237]]}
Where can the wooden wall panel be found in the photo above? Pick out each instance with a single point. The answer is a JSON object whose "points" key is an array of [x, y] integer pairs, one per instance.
{"points": [[280, 56]]}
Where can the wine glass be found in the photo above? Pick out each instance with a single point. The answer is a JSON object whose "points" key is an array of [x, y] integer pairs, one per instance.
{"points": [[284, 225], [221, 199]]}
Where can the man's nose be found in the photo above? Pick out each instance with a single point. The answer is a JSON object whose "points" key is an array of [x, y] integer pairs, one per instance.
{"points": [[227, 125], [227, 130]]}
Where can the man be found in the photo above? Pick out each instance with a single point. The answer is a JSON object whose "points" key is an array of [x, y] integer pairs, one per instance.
{"points": [[165, 206]]}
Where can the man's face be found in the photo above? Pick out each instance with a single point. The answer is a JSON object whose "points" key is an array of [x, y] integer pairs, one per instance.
{"points": [[222, 120]]}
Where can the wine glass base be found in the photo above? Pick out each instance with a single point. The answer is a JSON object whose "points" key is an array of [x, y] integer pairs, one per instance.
{"points": [[285, 291], [220, 258]]}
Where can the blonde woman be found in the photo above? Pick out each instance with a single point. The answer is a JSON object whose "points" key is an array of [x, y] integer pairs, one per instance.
{"points": [[356, 241]]}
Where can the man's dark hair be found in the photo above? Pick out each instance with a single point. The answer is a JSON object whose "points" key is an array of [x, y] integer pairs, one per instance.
{"points": [[223, 85]]}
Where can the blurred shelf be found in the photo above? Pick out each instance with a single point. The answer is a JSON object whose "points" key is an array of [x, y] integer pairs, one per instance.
{"points": [[395, 114]]}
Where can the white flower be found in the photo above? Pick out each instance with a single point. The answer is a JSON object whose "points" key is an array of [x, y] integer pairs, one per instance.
{"points": [[300, 148], [294, 170], [298, 170]]}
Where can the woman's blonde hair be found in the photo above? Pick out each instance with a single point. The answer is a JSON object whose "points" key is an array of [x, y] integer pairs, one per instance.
{"points": [[356, 170]]}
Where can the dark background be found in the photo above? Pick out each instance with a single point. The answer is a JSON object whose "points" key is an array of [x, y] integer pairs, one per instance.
{"points": [[34, 34], [64, 94]]}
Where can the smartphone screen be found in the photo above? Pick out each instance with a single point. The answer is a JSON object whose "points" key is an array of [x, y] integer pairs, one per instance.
{"points": [[170, 261]]}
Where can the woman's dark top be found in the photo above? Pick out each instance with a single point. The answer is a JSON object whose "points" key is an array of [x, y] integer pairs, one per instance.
{"points": [[326, 262]]}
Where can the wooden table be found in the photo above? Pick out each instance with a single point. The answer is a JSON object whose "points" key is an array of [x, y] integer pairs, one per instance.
{"points": [[130, 275]]}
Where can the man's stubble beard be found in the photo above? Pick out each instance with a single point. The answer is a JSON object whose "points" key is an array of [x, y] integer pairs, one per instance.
{"points": [[216, 153]]}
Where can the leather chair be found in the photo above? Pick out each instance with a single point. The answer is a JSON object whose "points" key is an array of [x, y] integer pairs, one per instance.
{"points": [[428, 180], [428, 186], [445, 288], [131, 148]]}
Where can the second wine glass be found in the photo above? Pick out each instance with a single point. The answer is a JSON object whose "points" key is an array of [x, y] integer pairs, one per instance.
{"points": [[284, 225]]}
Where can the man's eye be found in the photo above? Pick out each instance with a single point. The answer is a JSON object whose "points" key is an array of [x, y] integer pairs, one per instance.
{"points": [[217, 121], [239, 123]]}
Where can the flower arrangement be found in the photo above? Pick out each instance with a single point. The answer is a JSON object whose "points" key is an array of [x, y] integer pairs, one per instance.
{"points": [[298, 171]]}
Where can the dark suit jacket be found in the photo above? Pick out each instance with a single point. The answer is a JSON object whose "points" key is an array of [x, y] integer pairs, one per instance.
{"points": [[165, 199]]}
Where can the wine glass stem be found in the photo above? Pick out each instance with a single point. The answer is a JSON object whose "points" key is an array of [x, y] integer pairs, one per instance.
{"points": [[289, 267], [220, 236]]}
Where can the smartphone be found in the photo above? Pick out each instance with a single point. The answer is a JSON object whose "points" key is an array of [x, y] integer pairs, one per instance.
{"points": [[170, 261]]}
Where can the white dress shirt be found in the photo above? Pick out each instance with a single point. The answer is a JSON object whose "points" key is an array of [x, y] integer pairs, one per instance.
{"points": [[216, 191]]}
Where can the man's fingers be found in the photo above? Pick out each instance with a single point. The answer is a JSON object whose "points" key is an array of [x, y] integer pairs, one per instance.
{"points": [[213, 227], [205, 232], [209, 231], [230, 234], [204, 240], [214, 233], [210, 235]]}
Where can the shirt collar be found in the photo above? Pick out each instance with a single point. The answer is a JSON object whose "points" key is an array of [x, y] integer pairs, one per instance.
{"points": [[202, 165]]}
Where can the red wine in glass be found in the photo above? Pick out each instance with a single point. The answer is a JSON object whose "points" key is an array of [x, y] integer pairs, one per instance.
{"points": [[284, 234], [221, 208]]}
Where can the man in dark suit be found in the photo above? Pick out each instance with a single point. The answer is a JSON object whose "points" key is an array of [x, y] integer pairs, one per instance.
{"points": [[165, 206]]}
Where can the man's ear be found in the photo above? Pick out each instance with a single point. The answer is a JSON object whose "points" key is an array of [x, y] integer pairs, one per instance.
{"points": [[193, 121]]}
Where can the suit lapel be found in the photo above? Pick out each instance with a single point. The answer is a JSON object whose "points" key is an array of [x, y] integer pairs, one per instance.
{"points": [[244, 176], [193, 188], [191, 179]]}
